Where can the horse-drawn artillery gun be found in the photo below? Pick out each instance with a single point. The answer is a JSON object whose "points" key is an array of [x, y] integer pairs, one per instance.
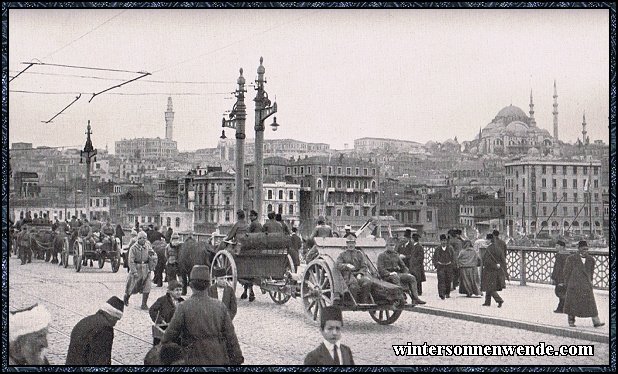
{"points": [[263, 258], [82, 250]]}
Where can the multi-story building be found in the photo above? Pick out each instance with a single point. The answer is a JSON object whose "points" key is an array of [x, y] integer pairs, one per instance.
{"points": [[344, 189], [481, 211], [179, 218], [282, 198], [26, 184], [100, 206], [558, 196], [390, 145], [210, 194], [285, 148]]}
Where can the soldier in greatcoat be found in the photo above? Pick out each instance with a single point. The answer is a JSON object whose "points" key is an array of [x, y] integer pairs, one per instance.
{"points": [[351, 264], [579, 300], [392, 269], [142, 261]]}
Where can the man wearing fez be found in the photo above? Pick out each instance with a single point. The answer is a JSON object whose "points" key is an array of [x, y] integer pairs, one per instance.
{"points": [[93, 336], [413, 255], [557, 275], [28, 330], [204, 326], [443, 262], [331, 352], [579, 300]]}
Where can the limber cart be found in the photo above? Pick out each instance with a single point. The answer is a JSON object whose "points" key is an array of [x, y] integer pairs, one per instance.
{"points": [[82, 250], [318, 283]]}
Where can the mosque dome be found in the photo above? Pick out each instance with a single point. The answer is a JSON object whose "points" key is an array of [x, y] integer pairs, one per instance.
{"points": [[517, 128], [512, 112]]}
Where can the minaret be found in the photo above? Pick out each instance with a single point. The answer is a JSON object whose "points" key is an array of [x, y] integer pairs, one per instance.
{"points": [[555, 113], [585, 139], [169, 120], [532, 120]]}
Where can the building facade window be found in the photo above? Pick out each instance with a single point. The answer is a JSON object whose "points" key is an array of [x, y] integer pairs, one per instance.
{"points": [[177, 221]]}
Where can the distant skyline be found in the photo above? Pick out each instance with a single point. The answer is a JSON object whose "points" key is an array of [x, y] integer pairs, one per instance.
{"points": [[336, 74]]}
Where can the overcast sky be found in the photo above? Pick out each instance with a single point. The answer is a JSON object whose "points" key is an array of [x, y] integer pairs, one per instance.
{"points": [[336, 74]]}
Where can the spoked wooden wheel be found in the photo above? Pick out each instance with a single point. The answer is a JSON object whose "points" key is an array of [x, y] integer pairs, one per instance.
{"points": [[101, 260], [385, 316], [224, 260], [65, 253], [78, 252], [280, 297], [317, 289]]}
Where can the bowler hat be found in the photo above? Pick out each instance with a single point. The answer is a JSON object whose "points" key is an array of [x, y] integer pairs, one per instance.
{"points": [[200, 272], [582, 243], [442, 237]]}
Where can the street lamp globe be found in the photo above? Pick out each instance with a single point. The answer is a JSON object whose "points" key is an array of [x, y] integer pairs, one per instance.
{"points": [[274, 125]]}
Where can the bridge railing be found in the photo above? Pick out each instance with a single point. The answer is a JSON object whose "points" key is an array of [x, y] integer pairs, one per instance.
{"points": [[535, 265]]}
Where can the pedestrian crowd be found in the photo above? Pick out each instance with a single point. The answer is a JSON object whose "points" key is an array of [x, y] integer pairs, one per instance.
{"points": [[199, 330]]}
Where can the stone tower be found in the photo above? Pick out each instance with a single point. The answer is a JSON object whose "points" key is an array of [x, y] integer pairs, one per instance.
{"points": [[169, 120], [555, 113], [532, 120]]}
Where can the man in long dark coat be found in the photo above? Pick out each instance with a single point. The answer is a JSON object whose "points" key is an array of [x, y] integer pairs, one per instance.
{"points": [[414, 256], [456, 244], [443, 262], [557, 275], [204, 326], [493, 276], [579, 300], [93, 336]]}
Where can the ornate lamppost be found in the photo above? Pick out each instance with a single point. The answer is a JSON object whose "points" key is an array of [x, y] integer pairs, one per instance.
{"points": [[89, 153], [263, 110], [237, 122]]}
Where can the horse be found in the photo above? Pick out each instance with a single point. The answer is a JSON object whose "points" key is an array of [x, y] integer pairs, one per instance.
{"points": [[192, 253]]}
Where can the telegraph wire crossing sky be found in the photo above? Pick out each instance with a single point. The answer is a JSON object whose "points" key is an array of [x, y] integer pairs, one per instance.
{"points": [[336, 74]]}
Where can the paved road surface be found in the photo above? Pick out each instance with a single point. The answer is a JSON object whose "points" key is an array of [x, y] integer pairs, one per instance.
{"points": [[269, 334]]}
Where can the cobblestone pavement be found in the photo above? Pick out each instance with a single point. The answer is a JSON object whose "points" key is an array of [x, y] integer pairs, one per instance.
{"points": [[269, 334]]}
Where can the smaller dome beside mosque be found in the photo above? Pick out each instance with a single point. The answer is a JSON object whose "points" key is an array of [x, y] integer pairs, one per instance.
{"points": [[517, 129]]}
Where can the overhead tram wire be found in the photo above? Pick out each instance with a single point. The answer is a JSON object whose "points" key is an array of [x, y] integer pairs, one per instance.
{"points": [[118, 79], [73, 41], [236, 42], [122, 93], [84, 67]]}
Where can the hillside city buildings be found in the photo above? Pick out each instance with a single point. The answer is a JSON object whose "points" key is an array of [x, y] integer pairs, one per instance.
{"points": [[515, 176]]}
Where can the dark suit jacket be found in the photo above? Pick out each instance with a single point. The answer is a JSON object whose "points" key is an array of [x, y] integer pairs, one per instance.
{"points": [[229, 299], [321, 356], [164, 308]]}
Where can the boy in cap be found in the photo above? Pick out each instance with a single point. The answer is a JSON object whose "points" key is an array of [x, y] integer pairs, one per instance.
{"points": [[204, 326], [28, 336], [331, 351], [162, 311], [579, 300], [93, 336], [223, 292], [557, 275]]}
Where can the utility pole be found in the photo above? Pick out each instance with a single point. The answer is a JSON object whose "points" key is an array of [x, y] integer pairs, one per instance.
{"points": [[89, 153], [237, 122], [263, 110]]}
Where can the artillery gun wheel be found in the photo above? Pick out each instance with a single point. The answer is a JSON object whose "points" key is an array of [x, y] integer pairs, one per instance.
{"points": [[65, 253], [317, 289], [78, 253], [224, 260], [101, 260], [385, 316], [280, 297]]}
